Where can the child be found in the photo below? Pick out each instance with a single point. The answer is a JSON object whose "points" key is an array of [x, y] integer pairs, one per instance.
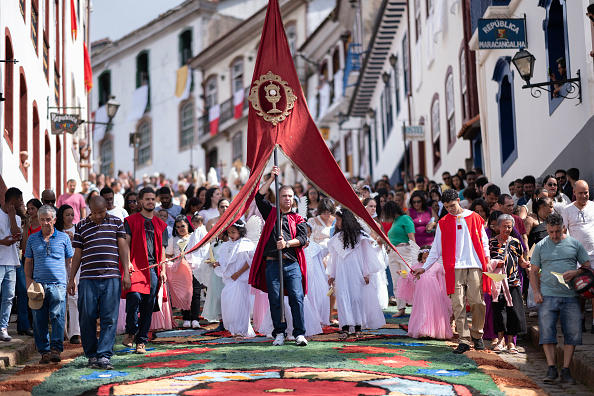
{"points": [[432, 308], [233, 266], [352, 261], [198, 224], [317, 279]]}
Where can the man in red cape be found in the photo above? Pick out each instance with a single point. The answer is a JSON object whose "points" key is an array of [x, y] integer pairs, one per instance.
{"points": [[461, 241], [146, 236], [264, 271]]}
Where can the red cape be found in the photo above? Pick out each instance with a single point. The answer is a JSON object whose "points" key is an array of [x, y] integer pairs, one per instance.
{"points": [[257, 271]]}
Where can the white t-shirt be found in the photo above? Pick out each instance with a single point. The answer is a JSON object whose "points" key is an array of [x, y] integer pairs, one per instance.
{"points": [[118, 212], [580, 225], [9, 255], [118, 200]]}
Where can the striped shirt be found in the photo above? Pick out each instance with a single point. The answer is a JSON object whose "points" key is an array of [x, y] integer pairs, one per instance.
{"points": [[99, 245], [49, 259]]}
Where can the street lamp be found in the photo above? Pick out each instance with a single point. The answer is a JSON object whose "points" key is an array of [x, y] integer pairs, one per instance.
{"points": [[112, 107], [385, 77], [393, 60], [524, 62]]}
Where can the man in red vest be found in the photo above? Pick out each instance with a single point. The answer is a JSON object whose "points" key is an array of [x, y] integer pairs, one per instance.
{"points": [[264, 272], [461, 241], [147, 237]]}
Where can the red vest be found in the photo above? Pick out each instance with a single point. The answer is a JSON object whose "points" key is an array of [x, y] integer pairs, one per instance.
{"points": [[447, 226], [141, 280], [257, 270]]}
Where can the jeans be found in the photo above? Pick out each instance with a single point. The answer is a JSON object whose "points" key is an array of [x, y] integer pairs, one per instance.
{"points": [[7, 286], [98, 299], [293, 287], [22, 300], [142, 304], [53, 311], [549, 311]]}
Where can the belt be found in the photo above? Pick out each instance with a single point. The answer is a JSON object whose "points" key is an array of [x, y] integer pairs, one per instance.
{"points": [[276, 258]]}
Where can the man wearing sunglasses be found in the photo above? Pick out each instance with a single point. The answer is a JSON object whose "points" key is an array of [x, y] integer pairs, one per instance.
{"points": [[48, 197], [48, 254]]}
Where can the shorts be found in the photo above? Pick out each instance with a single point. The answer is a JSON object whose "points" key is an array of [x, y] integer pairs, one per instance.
{"points": [[549, 311]]}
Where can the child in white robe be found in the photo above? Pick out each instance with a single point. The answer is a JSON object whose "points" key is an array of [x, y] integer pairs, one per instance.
{"points": [[235, 259], [352, 262], [317, 281]]}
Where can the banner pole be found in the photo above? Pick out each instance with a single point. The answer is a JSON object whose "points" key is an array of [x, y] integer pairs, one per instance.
{"points": [[280, 233]]}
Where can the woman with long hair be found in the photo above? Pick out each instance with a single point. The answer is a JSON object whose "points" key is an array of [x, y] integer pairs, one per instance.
{"points": [[351, 263], [313, 199], [423, 217], [193, 206], [211, 200], [227, 194], [560, 200], [481, 207], [458, 185], [222, 207], [535, 222], [131, 203]]}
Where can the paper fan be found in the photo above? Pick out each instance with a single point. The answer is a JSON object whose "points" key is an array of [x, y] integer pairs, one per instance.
{"points": [[254, 229], [302, 207], [495, 277]]}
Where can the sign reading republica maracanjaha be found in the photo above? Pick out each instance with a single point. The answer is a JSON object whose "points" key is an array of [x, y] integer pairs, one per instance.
{"points": [[501, 33]]}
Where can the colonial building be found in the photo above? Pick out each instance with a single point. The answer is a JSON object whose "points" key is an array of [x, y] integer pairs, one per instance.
{"points": [[42, 72]]}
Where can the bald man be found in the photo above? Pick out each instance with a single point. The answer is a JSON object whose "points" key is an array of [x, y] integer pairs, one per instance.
{"points": [[48, 197]]}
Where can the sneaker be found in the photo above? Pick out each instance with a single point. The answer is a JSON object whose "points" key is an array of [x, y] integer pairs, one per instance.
{"points": [[461, 349], [75, 339], [479, 345], [279, 340], [55, 356], [300, 341], [566, 377], [45, 358], [104, 364], [187, 324], [551, 376], [195, 324], [140, 348], [92, 363], [128, 340], [4, 335]]}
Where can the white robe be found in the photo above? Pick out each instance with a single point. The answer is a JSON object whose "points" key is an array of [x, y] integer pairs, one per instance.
{"points": [[317, 281]]}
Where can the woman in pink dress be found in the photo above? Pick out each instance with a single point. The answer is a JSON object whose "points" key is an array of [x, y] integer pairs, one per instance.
{"points": [[423, 217], [432, 308]]}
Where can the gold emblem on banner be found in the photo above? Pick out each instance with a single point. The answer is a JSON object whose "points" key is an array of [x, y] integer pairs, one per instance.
{"points": [[277, 93]]}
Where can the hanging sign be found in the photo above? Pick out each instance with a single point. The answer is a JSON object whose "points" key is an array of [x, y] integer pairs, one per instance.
{"points": [[501, 33], [64, 122], [414, 132]]}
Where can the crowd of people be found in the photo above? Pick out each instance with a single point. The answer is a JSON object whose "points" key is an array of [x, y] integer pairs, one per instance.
{"points": [[114, 251]]}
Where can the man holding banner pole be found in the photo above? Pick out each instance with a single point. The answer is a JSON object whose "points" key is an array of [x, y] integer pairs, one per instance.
{"points": [[284, 251]]}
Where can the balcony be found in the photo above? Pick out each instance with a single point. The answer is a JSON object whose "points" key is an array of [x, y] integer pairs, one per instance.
{"points": [[227, 114], [478, 8]]}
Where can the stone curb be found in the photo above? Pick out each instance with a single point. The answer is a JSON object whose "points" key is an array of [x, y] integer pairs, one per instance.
{"points": [[22, 348]]}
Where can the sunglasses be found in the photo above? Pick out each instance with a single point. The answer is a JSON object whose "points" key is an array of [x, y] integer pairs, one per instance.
{"points": [[552, 184], [132, 201], [416, 201]]}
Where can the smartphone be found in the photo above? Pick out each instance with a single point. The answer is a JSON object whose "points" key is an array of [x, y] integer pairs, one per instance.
{"points": [[16, 236]]}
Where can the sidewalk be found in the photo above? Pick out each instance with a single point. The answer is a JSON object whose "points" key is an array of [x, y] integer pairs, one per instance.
{"points": [[582, 366], [20, 349]]}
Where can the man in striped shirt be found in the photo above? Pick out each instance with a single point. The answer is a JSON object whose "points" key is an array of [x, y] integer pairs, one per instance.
{"points": [[99, 245], [47, 256]]}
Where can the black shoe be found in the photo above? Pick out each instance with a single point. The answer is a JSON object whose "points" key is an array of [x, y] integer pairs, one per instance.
{"points": [[479, 345], [566, 377], [551, 376], [221, 327], [75, 339], [28, 332], [461, 349]]}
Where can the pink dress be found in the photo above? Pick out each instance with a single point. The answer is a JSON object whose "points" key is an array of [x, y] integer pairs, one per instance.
{"points": [[432, 308], [421, 220]]}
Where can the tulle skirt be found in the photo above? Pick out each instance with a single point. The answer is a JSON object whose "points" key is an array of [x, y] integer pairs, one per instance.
{"points": [[235, 308], [312, 319], [163, 319], [317, 289], [406, 286], [260, 307]]}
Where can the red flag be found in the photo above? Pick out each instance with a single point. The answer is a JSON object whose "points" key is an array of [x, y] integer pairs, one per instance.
{"points": [[73, 25], [214, 114], [278, 116], [88, 69], [238, 104]]}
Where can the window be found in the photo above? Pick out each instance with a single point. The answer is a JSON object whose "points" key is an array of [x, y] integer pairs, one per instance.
{"points": [[34, 23], [107, 157], [396, 87], [144, 143], [211, 92], [556, 43], [59, 166], [417, 19], [237, 147], [48, 162], [450, 108], [104, 87], [186, 117], [57, 86], [185, 47], [8, 92], [57, 35], [45, 54], [336, 61], [389, 115], [506, 112], [22, 5], [435, 133], [23, 120], [142, 69], [405, 64], [46, 60], [35, 161], [291, 31], [383, 118], [464, 86], [237, 76]]}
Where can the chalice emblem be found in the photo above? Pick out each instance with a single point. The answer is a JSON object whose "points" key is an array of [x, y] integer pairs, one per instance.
{"points": [[273, 96]]}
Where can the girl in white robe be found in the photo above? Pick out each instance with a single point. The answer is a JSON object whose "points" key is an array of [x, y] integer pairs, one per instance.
{"points": [[351, 264], [235, 259], [317, 281]]}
